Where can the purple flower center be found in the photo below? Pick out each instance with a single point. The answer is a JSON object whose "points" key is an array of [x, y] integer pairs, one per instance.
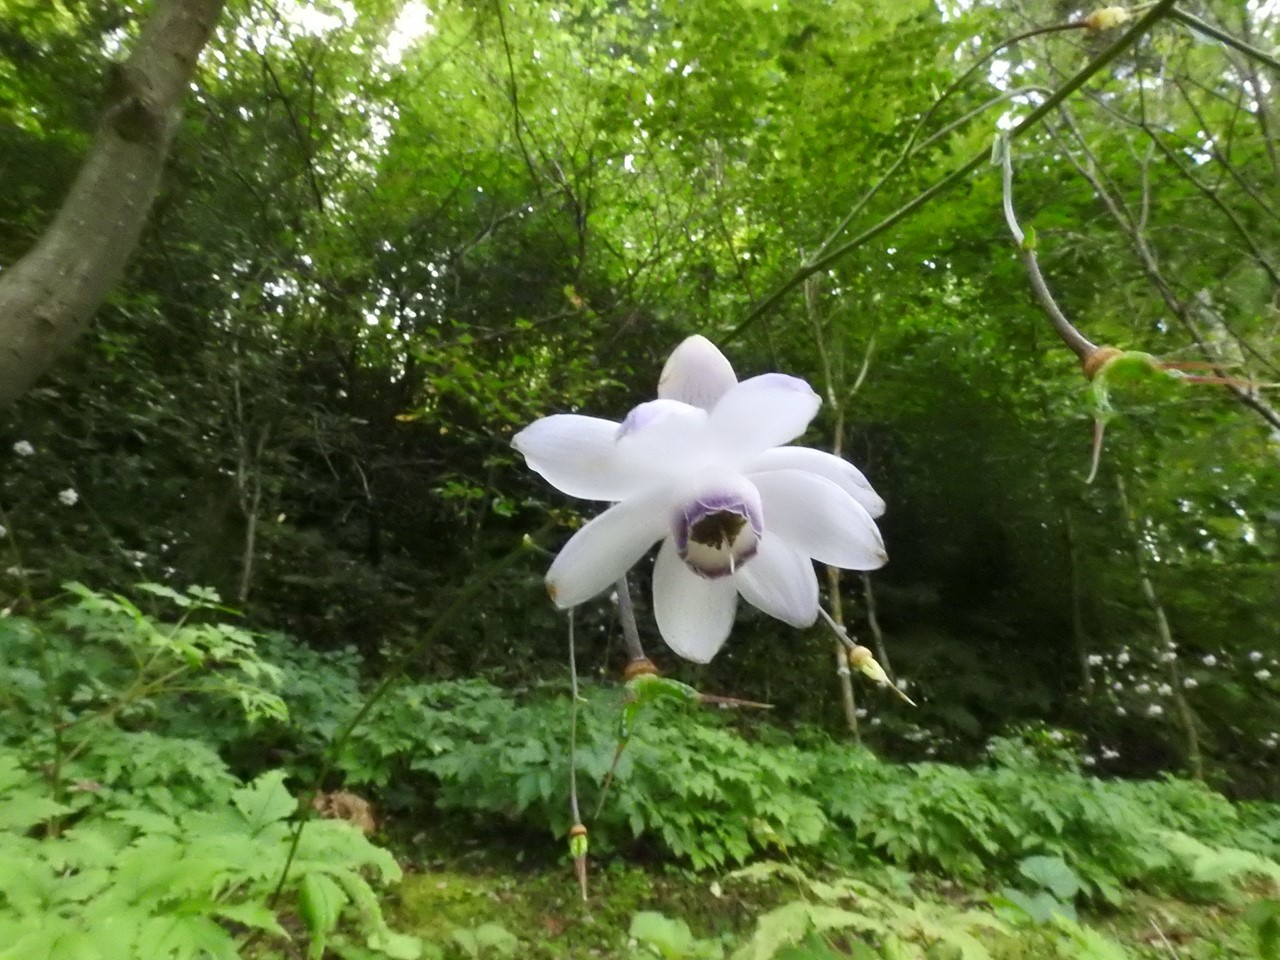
{"points": [[719, 531]]}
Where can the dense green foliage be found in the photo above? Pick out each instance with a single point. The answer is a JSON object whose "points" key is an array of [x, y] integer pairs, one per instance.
{"points": [[114, 811], [390, 236], [313, 397]]}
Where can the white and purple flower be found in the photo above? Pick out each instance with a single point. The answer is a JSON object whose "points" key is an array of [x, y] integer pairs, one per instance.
{"points": [[704, 470]]}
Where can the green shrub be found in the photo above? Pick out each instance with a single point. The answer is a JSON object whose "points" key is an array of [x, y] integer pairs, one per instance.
{"points": [[110, 879], [120, 841]]}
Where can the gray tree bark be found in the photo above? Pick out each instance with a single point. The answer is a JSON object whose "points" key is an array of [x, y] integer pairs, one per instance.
{"points": [[48, 297]]}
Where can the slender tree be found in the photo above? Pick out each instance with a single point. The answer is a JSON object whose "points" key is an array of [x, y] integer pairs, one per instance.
{"points": [[48, 297]]}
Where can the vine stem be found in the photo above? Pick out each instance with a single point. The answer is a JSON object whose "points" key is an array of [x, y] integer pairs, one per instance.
{"points": [[1079, 79]]}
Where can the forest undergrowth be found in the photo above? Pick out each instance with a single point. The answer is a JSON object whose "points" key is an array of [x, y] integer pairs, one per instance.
{"points": [[153, 770]]}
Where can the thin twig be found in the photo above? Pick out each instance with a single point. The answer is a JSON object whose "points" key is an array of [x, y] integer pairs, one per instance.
{"points": [[1209, 30], [1163, 939], [513, 93], [1150, 266], [1130, 37]]}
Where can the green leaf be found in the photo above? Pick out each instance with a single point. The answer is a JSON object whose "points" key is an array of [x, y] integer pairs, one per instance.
{"points": [[1263, 918], [255, 915], [666, 936], [400, 946], [1053, 874], [21, 811], [320, 903], [265, 801]]}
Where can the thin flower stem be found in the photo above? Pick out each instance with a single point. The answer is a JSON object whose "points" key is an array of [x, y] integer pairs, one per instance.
{"points": [[573, 727], [841, 633], [627, 617]]}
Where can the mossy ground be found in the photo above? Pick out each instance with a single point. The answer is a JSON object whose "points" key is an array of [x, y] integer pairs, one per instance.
{"points": [[541, 903], [537, 900]]}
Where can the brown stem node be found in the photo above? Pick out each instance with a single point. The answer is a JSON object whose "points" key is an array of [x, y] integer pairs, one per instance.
{"points": [[640, 667], [1095, 361]]}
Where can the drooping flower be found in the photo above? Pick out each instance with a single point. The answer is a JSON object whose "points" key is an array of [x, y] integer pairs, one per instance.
{"points": [[705, 470]]}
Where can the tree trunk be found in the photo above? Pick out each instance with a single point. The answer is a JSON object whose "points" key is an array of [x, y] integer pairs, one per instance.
{"points": [[1166, 652], [48, 297]]}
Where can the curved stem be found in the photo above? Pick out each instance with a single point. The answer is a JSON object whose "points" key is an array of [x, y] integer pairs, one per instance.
{"points": [[1080, 345]]}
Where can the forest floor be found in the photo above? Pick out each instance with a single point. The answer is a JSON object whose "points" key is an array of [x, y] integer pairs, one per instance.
{"points": [[456, 894]]}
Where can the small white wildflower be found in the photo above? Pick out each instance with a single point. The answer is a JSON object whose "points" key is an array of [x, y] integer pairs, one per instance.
{"points": [[1117, 685], [3, 530], [1123, 658], [1143, 688], [1109, 754], [23, 449], [1254, 656], [1155, 710], [1121, 712], [1191, 683], [1263, 674], [1164, 689], [1209, 660], [1089, 760], [1095, 659], [69, 497], [1057, 736], [875, 721], [1168, 656]]}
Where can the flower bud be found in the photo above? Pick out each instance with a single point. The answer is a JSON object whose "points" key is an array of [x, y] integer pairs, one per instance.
{"points": [[864, 661], [1106, 18]]}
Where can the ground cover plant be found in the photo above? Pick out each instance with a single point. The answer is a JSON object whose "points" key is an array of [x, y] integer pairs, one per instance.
{"points": [[700, 479]]}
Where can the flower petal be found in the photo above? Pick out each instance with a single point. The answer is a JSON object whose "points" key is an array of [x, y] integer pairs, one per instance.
{"points": [[578, 455], [816, 517], [839, 471], [694, 615], [608, 546], [780, 581], [696, 373], [664, 438], [762, 412]]}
